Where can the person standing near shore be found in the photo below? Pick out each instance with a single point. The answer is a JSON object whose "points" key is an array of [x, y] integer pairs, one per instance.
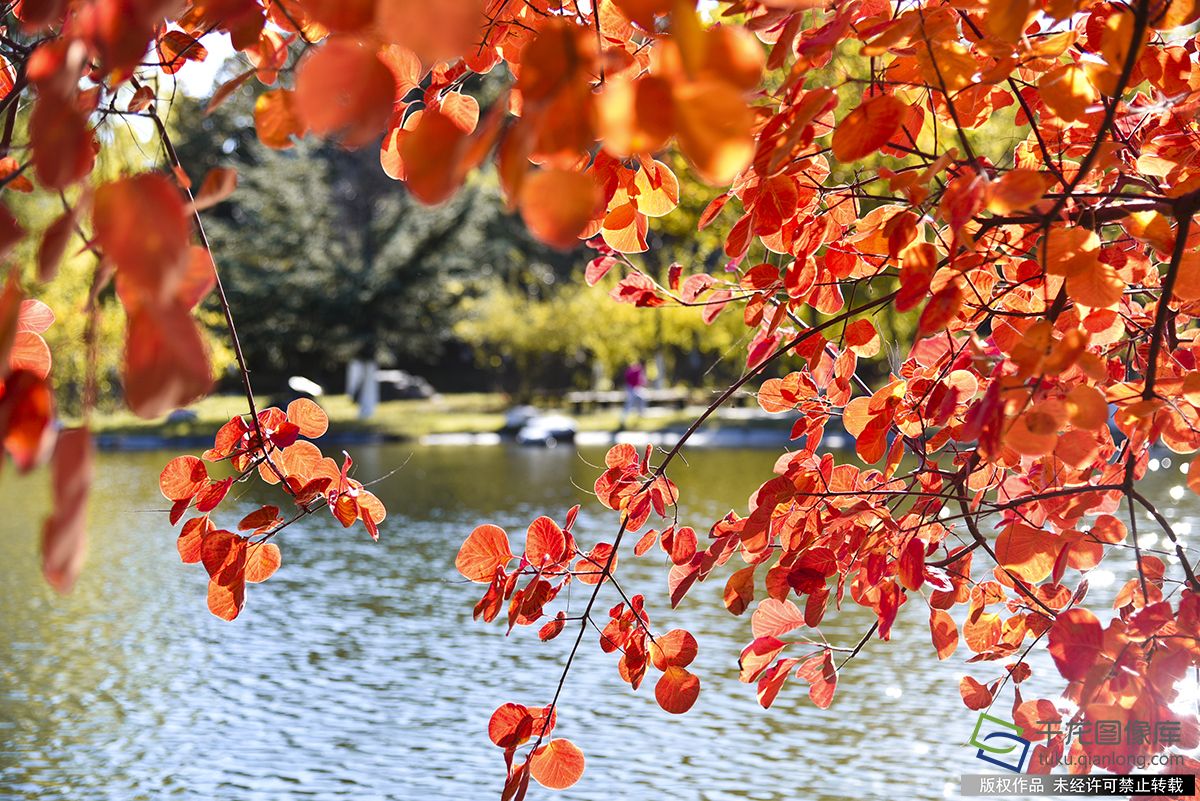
{"points": [[635, 397]]}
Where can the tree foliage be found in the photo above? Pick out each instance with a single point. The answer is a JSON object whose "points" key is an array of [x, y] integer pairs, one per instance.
{"points": [[342, 265], [1053, 282]]}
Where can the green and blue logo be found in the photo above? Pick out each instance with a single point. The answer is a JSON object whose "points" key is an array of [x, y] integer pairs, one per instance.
{"points": [[998, 742]]}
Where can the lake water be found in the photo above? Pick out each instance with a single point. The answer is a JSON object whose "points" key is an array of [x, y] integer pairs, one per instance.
{"points": [[357, 672]]}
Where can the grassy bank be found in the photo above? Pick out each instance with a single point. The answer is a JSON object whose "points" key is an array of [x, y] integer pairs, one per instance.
{"points": [[406, 419]]}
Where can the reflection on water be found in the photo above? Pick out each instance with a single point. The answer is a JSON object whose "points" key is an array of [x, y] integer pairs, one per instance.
{"points": [[357, 672]]}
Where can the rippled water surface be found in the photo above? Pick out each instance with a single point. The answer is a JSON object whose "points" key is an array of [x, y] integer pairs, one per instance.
{"points": [[357, 672]]}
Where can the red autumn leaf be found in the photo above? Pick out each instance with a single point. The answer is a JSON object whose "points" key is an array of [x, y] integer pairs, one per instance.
{"points": [[1075, 642], [974, 694], [176, 48], [683, 545], [61, 140], [677, 690], [822, 678], [64, 534], [224, 557], [772, 681], [142, 225], [739, 590], [262, 560], [944, 631], [30, 353], [557, 765], [182, 478], [219, 184], [344, 91], [775, 618], [911, 569], [431, 157], [590, 569], [342, 15], [597, 268], [676, 648], [484, 550], [868, 128], [26, 409], [261, 518], [557, 205], [553, 628], [940, 310], [310, 418], [277, 119], [54, 245], [212, 495], [166, 361], [191, 538], [545, 543], [11, 169], [510, 725], [1027, 552]]}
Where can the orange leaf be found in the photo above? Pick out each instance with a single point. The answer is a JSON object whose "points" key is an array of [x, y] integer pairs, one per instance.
{"points": [[510, 725], [61, 140], [1067, 92], [344, 91], [940, 310], [262, 560], [739, 590], [677, 690], [974, 694], [277, 119], [484, 550], [10, 315], [142, 225], [433, 31], [342, 15], [64, 534], [944, 631], [557, 765], [867, 128], [1017, 190], [264, 517], [182, 478], [30, 353], [224, 557], [1087, 408], [218, 185], [1027, 552], [1075, 642], [545, 543], [676, 648], [911, 568], [430, 153], [1097, 286], [26, 408], [557, 205], [714, 129], [191, 538], [166, 361], [775, 618], [311, 418], [54, 245]]}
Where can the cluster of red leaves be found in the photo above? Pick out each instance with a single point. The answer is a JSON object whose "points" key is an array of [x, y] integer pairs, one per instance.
{"points": [[30, 438], [552, 559], [271, 447]]}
